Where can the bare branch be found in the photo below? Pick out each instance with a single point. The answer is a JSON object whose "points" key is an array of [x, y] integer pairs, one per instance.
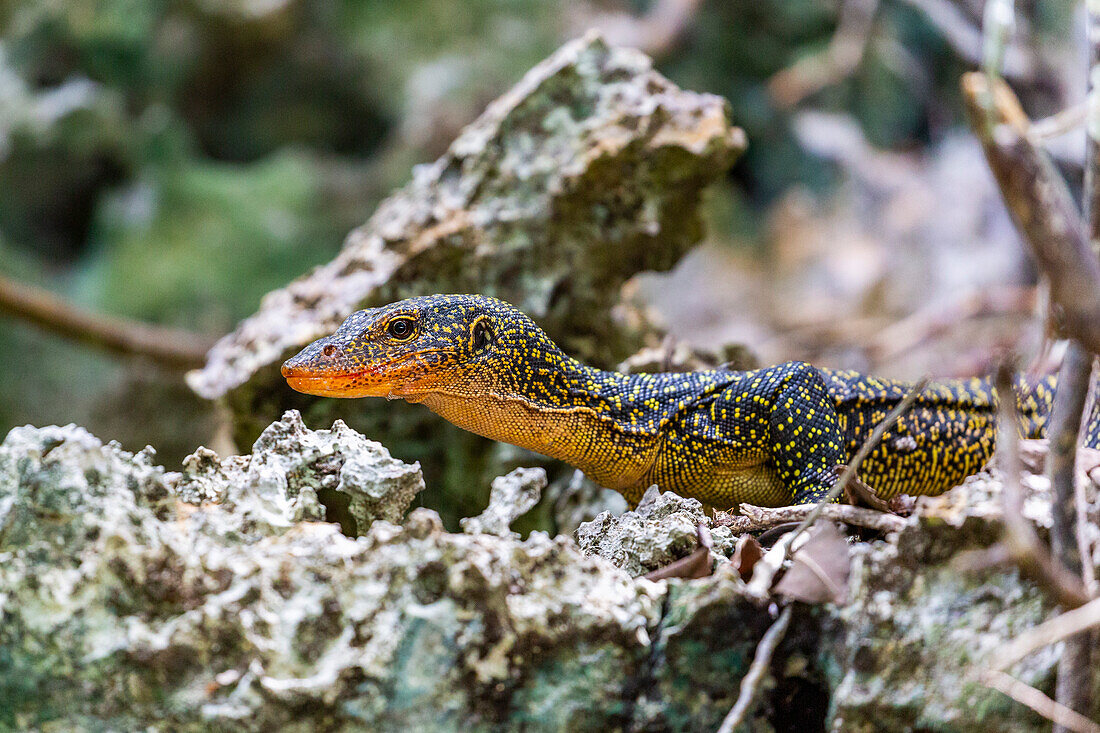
{"points": [[1062, 433], [1041, 205], [752, 680], [168, 347], [753, 518], [1040, 703], [1023, 545], [1058, 124], [1049, 632], [843, 55]]}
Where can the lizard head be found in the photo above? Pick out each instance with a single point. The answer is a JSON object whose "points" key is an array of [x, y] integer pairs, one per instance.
{"points": [[414, 347]]}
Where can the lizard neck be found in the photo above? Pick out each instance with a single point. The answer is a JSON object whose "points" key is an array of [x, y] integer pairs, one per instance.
{"points": [[604, 423]]}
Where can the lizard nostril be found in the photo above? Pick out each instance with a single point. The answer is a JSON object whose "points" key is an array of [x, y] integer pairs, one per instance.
{"points": [[329, 350]]}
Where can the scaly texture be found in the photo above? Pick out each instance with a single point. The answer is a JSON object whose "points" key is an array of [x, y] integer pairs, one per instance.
{"points": [[770, 436]]}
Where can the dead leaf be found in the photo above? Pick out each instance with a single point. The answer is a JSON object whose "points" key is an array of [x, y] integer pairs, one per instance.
{"points": [[695, 565], [745, 555], [819, 570]]}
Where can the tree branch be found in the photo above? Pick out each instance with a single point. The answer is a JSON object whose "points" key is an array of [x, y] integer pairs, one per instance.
{"points": [[1059, 714], [1024, 548], [753, 518], [752, 680], [168, 347], [1049, 632], [1040, 204]]}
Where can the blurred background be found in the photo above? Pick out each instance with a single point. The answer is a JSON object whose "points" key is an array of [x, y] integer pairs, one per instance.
{"points": [[170, 161]]}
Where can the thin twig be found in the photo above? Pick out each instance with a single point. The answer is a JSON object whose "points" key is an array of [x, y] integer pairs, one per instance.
{"points": [[1062, 626], [998, 25], [853, 465], [1063, 429], [753, 518], [1058, 124], [169, 347], [752, 680], [1041, 205], [1027, 695], [966, 38], [842, 56], [1028, 554]]}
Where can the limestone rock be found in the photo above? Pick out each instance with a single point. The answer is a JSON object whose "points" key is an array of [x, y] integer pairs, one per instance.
{"points": [[234, 611], [511, 496], [660, 530], [294, 472]]}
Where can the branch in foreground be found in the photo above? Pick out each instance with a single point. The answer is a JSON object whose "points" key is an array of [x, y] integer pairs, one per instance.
{"points": [[1041, 205], [1049, 632], [168, 347], [1074, 684], [1064, 427], [1027, 695], [752, 680], [753, 518], [1023, 545]]}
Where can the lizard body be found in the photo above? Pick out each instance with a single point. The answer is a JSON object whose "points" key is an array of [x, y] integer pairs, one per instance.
{"points": [[769, 437]]}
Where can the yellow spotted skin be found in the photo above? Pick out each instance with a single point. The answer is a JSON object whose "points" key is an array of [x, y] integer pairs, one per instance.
{"points": [[769, 437]]}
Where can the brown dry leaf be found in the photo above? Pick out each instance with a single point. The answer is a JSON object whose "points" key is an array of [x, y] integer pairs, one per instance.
{"points": [[819, 570], [695, 565], [745, 555]]}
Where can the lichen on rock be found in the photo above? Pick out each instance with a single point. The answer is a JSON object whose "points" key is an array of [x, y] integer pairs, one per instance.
{"points": [[509, 498], [197, 617], [922, 624], [294, 472], [660, 530], [211, 599]]}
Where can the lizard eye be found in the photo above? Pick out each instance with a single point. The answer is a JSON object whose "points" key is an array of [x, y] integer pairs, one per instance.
{"points": [[329, 349], [482, 335], [401, 328]]}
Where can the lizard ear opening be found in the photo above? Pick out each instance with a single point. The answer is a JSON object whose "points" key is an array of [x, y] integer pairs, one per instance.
{"points": [[481, 335]]}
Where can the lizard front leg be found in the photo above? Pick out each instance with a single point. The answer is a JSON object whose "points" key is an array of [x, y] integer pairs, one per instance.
{"points": [[804, 429]]}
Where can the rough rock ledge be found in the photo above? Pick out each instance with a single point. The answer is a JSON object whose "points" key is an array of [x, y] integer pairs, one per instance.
{"points": [[217, 599]]}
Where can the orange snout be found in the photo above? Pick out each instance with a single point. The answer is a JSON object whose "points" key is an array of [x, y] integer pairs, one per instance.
{"points": [[405, 378]]}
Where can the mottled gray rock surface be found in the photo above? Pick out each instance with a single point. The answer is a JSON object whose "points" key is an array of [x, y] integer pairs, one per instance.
{"points": [[185, 617], [293, 471], [660, 530], [124, 606], [921, 626], [510, 497]]}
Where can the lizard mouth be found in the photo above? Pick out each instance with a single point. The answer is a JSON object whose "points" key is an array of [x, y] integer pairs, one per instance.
{"points": [[336, 385], [403, 377]]}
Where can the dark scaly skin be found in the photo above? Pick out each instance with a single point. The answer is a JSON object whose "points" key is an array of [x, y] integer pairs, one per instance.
{"points": [[769, 437]]}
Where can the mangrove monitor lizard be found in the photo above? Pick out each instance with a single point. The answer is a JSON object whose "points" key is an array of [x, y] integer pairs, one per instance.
{"points": [[770, 437]]}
